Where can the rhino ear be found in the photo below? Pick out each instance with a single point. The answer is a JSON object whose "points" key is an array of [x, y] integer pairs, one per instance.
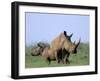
{"points": [[65, 33], [70, 35], [40, 45]]}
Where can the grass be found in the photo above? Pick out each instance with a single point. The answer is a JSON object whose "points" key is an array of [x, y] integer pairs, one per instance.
{"points": [[81, 58]]}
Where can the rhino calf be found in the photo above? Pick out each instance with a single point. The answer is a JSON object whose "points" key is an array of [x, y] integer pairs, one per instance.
{"points": [[36, 51]]}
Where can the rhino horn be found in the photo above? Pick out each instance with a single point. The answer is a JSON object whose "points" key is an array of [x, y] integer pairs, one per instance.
{"points": [[70, 35], [78, 43]]}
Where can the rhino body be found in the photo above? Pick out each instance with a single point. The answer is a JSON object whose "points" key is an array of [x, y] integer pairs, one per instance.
{"points": [[60, 49]]}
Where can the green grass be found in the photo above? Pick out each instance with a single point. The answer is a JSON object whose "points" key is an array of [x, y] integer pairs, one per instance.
{"points": [[81, 58]]}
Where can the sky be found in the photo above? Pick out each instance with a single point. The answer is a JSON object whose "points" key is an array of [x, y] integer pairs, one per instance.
{"points": [[45, 27]]}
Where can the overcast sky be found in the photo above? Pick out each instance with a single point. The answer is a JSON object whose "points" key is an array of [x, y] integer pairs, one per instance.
{"points": [[45, 27]]}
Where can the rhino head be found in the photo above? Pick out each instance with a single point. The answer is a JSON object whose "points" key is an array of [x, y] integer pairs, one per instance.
{"points": [[70, 46]]}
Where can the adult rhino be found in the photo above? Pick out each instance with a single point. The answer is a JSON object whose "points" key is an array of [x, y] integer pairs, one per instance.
{"points": [[60, 48]]}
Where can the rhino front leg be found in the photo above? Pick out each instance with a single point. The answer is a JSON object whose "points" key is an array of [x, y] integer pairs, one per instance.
{"points": [[66, 60]]}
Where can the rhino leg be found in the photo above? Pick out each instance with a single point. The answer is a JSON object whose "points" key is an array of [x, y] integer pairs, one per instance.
{"points": [[57, 57], [66, 58], [48, 60], [67, 61]]}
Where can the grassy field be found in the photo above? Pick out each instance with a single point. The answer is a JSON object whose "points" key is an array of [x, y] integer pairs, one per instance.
{"points": [[81, 58]]}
